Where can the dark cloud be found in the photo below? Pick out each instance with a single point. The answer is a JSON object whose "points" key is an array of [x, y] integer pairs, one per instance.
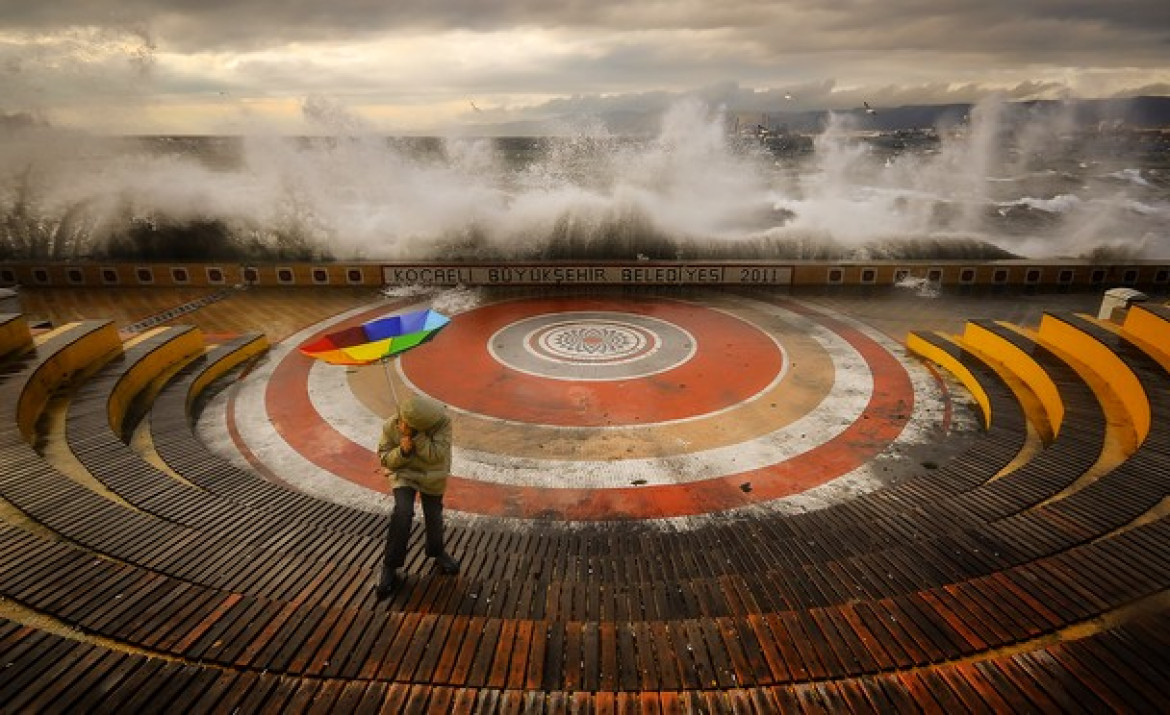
{"points": [[1034, 27], [527, 58]]}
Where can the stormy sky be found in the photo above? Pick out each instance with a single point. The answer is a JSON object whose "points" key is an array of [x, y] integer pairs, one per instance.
{"points": [[410, 66]]}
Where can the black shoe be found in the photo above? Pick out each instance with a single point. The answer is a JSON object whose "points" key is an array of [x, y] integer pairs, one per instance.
{"points": [[387, 588], [446, 564]]}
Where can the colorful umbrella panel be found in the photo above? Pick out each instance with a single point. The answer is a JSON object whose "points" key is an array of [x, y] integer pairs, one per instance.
{"points": [[378, 339]]}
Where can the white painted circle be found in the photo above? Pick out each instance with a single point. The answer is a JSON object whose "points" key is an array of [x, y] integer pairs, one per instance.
{"points": [[592, 346]]}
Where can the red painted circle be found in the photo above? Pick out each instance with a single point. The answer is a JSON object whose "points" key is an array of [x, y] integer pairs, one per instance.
{"points": [[734, 361], [292, 414]]}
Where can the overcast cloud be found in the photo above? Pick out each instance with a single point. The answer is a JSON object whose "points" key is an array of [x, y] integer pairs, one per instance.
{"points": [[441, 65]]}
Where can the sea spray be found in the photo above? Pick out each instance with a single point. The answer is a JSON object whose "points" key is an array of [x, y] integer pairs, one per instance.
{"points": [[984, 189]]}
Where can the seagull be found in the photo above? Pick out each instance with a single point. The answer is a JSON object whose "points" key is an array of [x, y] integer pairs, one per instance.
{"points": [[477, 109], [788, 95], [869, 109]]}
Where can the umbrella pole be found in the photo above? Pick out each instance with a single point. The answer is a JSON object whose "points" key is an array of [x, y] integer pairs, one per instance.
{"points": [[386, 371]]}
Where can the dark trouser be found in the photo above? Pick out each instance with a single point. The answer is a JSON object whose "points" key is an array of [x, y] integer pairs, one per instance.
{"points": [[398, 536]]}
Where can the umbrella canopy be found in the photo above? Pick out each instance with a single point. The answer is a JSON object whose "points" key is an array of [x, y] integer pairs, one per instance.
{"points": [[378, 339]]}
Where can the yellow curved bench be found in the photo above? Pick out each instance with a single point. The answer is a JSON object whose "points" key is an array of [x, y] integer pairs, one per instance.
{"points": [[92, 342], [1105, 364], [1020, 364], [183, 344], [14, 333]]}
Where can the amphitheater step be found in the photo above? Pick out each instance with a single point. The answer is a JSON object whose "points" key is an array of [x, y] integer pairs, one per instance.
{"points": [[15, 335], [985, 584]]}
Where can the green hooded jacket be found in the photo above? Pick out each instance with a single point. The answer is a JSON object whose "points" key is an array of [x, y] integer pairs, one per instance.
{"points": [[427, 466]]}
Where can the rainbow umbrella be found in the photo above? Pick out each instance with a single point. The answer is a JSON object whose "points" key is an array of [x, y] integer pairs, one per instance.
{"points": [[380, 339]]}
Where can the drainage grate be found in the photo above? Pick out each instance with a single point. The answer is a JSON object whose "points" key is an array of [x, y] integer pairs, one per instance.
{"points": [[172, 313]]}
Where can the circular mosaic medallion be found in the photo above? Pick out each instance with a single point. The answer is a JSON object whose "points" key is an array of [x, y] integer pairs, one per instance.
{"points": [[591, 341], [591, 346]]}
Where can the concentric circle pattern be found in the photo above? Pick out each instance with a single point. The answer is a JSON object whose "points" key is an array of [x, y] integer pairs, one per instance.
{"points": [[504, 372], [587, 408], [591, 342], [591, 346]]}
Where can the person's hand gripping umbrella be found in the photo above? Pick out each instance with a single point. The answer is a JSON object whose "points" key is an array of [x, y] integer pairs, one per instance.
{"points": [[380, 339]]}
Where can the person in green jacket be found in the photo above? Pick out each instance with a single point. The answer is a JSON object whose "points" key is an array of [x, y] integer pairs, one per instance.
{"points": [[415, 453]]}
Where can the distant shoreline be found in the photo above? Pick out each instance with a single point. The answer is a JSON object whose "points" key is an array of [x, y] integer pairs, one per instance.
{"points": [[1132, 114]]}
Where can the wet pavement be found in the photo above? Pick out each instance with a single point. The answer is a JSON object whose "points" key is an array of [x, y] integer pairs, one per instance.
{"points": [[660, 405]]}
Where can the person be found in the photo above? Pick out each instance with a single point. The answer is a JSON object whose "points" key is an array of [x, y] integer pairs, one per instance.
{"points": [[415, 453]]}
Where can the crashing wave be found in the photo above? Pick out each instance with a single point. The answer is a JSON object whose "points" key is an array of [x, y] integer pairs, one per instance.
{"points": [[1059, 204], [687, 193], [1132, 176]]}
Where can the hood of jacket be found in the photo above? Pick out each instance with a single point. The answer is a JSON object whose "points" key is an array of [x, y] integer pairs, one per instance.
{"points": [[421, 413]]}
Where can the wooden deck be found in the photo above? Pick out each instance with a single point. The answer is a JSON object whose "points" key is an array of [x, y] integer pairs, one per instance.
{"points": [[960, 588]]}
